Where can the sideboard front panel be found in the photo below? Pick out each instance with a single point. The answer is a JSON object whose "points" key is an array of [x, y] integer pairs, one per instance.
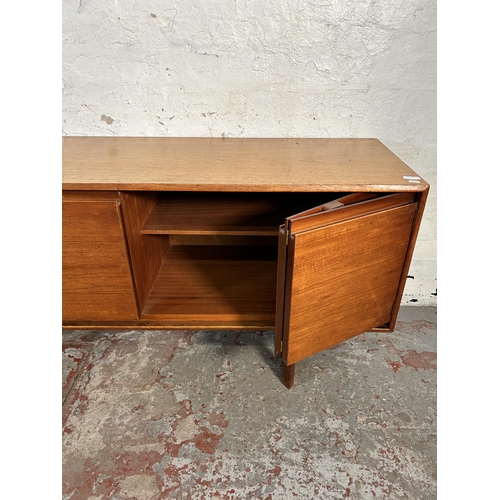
{"points": [[96, 278]]}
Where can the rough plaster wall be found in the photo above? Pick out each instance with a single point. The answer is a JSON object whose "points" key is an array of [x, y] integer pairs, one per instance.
{"points": [[268, 68]]}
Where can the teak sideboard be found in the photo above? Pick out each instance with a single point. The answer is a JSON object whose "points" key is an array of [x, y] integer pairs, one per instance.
{"points": [[312, 238]]}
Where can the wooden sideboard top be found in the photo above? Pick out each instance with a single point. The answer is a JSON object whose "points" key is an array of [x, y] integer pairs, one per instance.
{"points": [[233, 164]]}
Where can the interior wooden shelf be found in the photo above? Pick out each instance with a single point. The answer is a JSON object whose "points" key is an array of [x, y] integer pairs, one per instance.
{"points": [[257, 214], [210, 284]]}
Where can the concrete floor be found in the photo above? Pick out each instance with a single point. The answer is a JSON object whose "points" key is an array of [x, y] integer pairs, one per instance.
{"points": [[204, 415]]}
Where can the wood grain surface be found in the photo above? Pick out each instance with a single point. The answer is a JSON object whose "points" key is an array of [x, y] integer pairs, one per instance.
{"points": [[342, 279], [310, 221], [226, 213], [217, 164], [146, 252], [215, 284], [96, 278], [280, 289]]}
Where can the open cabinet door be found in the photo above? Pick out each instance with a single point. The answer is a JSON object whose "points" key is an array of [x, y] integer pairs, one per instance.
{"points": [[339, 269]]}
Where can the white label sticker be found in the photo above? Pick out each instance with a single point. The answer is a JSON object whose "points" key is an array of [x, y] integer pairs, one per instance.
{"points": [[411, 177]]}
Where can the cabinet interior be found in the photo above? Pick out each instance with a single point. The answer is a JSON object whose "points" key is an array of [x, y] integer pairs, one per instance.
{"points": [[253, 214], [209, 258]]}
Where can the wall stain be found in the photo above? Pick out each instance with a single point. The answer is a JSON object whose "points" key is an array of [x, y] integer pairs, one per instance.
{"points": [[107, 119]]}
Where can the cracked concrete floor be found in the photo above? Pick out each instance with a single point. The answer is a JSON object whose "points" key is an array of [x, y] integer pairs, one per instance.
{"points": [[204, 415]]}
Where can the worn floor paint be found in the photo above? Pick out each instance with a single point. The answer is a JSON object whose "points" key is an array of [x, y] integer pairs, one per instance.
{"points": [[153, 415]]}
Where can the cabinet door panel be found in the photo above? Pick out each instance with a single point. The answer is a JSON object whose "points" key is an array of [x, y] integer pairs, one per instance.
{"points": [[342, 279], [96, 279]]}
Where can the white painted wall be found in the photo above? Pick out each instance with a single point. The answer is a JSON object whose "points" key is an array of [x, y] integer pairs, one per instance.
{"points": [[268, 68]]}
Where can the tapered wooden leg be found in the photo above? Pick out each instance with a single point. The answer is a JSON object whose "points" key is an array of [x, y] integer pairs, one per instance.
{"points": [[288, 375]]}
